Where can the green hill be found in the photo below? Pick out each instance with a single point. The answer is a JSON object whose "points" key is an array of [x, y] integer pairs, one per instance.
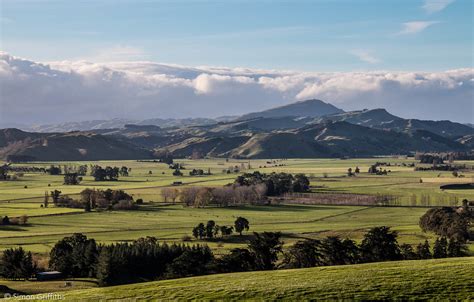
{"points": [[442, 279]]}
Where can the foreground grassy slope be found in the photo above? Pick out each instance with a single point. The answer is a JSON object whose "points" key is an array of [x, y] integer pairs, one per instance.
{"points": [[422, 279]]}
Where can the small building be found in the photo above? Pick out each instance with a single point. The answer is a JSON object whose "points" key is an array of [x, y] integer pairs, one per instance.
{"points": [[47, 276]]}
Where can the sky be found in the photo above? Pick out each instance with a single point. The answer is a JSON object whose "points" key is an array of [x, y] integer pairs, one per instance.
{"points": [[413, 57]]}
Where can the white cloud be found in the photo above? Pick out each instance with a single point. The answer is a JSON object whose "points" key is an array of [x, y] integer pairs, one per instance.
{"points": [[117, 53], [415, 27], [365, 56], [33, 92], [433, 6]]}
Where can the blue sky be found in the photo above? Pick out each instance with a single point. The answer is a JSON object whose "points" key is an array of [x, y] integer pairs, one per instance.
{"points": [[318, 35]]}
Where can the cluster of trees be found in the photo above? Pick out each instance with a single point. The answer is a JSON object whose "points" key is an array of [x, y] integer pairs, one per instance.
{"points": [[106, 200], [143, 259], [199, 172], [108, 173], [350, 172], [211, 229], [442, 248], [67, 169], [22, 220], [447, 222], [93, 199], [72, 179], [276, 183], [223, 196], [373, 169]]}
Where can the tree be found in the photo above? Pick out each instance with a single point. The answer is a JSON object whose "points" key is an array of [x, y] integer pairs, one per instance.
{"points": [[423, 250], [226, 230], [300, 183], [303, 253], [265, 248], [53, 170], [17, 264], [440, 248], [72, 179], [5, 220], [456, 249], [123, 171], [238, 260], [46, 199], [241, 224], [192, 262], [55, 196], [407, 252], [177, 172], [74, 256], [199, 231], [335, 251], [4, 172], [446, 222], [210, 228], [380, 244]]}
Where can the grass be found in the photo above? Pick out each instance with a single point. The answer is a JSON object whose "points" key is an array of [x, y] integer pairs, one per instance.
{"points": [[444, 279], [171, 223]]}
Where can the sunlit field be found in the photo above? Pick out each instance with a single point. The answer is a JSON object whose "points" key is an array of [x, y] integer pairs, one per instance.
{"points": [[171, 222]]}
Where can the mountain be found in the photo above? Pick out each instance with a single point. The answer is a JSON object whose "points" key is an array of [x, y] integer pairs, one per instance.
{"points": [[381, 119], [329, 139], [308, 108], [20, 145]]}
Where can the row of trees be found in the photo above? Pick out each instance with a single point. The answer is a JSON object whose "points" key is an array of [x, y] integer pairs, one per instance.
{"points": [[220, 196], [108, 173], [211, 229], [92, 199]]}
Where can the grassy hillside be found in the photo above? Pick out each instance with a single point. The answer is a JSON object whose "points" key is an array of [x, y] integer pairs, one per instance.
{"points": [[422, 279]]}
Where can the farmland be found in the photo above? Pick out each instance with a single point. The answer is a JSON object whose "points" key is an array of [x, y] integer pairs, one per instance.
{"points": [[171, 222]]}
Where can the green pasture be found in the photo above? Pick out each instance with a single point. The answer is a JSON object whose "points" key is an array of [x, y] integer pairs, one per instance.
{"points": [[441, 279], [170, 223]]}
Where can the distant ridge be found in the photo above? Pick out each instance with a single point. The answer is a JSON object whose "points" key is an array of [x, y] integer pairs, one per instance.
{"points": [[308, 108]]}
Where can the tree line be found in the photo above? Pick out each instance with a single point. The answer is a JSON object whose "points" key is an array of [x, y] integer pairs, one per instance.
{"points": [[147, 259]]}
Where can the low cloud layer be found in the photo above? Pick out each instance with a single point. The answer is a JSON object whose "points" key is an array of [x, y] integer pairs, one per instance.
{"points": [[33, 93]]}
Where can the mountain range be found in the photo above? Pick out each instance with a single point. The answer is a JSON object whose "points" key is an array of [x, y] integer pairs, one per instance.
{"points": [[305, 129]]}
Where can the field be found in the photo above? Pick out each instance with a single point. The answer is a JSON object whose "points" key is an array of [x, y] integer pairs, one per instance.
{"points": [[445, 279], [171, 222]]}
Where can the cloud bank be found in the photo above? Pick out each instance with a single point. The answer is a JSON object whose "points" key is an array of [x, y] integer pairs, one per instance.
{"points": [[64, 91]]}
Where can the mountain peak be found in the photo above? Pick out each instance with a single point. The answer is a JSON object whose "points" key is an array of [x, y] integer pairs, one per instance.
{"points": [[307, 108]]}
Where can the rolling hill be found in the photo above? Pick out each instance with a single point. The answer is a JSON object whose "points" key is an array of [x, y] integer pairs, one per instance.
{"points": [[438, 279], [19, 145], [381, 119]]}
